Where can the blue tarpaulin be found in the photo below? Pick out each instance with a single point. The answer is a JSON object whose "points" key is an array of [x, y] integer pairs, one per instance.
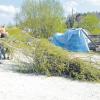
{"points": [[73, 40]]}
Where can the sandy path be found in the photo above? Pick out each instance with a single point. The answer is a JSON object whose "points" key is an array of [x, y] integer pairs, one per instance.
{"points": [[14, 86], [93, 58]]}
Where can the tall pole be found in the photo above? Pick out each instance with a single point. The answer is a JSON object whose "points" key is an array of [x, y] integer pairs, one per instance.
{"points": [[73, 16], [72, 12]]}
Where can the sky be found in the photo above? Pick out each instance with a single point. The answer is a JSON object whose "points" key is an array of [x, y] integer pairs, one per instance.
{"points": [[9, 8]]}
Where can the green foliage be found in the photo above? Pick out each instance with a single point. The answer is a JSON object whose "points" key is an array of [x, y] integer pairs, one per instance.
{"points": [[52, 60], [91, 23], [42, 17], [17, 34], [16, 40], [83, 70], [49, 60]]}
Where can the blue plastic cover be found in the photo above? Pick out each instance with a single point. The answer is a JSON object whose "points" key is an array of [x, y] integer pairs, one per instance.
{"points": [[73, 40]]}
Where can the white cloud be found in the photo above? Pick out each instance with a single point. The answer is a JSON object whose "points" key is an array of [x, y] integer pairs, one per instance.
{"points": [[94, 2], [69, 5], [7, 13], [80, 6], [89, 2], [8, 10]]}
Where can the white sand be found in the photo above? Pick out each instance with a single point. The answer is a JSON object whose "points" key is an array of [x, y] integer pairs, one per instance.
{"points": [[14, 86]]}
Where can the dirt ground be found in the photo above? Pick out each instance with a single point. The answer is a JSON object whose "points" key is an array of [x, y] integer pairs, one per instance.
{"points": [[93, 58]]}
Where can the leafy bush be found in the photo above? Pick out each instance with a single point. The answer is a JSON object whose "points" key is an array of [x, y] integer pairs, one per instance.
{"points": [[83, 70], [52, 60]]}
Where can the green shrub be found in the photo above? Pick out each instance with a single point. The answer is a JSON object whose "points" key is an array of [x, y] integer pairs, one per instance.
{"points": [[83, 70], [51, 60]]}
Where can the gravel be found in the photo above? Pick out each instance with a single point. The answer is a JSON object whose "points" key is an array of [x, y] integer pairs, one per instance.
{"points": [[15, 86]]}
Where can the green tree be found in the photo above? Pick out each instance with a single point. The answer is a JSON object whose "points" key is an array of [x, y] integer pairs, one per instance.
{"points": [[42, 17], [91, 23]]}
